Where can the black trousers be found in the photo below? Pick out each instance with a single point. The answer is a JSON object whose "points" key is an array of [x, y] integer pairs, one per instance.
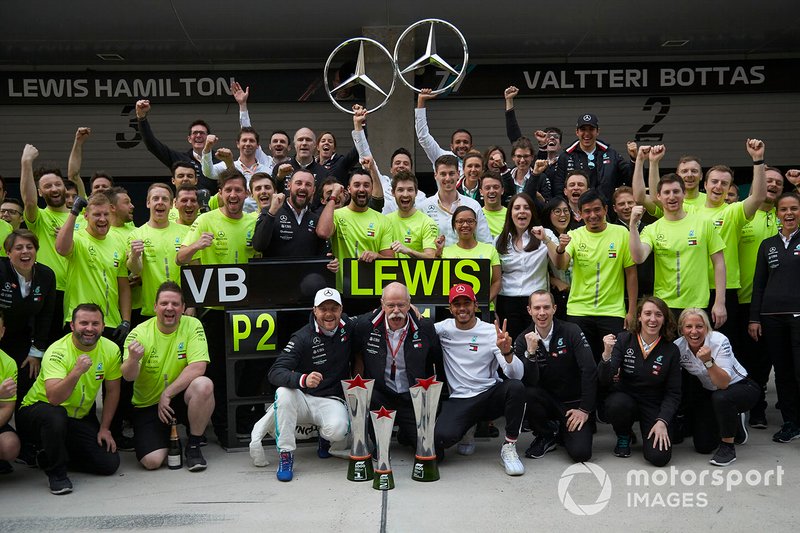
{"points": [[754, 356], [514, 309], [65, 441], [731, 326], [595, 328], [459, 414], [404, 417], [543, 407], [622, 410], [713, 414], [782, 335], [214, 324]]}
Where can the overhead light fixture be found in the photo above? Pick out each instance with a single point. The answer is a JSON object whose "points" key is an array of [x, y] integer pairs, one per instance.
{"points": [[111, 57], [675, 43]]}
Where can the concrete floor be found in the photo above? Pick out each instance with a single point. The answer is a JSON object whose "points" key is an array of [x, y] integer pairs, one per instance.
{"points": [[474, 494]]}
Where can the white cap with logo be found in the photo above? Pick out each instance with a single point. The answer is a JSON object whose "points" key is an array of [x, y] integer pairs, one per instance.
{"points": [[323, 295]]}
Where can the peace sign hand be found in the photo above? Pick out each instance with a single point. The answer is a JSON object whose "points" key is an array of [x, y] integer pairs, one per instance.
{"points": [[503, 338]]}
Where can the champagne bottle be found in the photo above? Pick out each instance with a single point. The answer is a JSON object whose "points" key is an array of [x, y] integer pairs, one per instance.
{"points": [[174, 456]]}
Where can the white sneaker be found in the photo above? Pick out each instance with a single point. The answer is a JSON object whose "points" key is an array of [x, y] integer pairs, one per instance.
{"points": [[467, 444], [257, 454], [510, 459]]}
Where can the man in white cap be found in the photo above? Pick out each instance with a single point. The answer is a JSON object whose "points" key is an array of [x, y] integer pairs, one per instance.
{"points": [[308, 376]]}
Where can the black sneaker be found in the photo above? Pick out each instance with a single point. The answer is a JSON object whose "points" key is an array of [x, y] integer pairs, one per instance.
{"points": [[323, 448], [788, 432], [203, 441], [726, 454], [195, 461], [623, 447], [59, 484], [758, 419], [124, 444], [27, 456], [5, 467], [540, 446], [741, 431]]}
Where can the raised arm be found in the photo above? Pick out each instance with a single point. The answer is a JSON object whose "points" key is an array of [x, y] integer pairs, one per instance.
{"points": [[65, 238], [513, 131], [640, 195], [76, 159], [27, 185], [653, 175], [639, 250], [758, 192], [424, 137]]}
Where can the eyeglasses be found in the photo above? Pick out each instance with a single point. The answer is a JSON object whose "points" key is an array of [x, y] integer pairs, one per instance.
{"points": [[466, 222], [10, 212], [199, 132], [562, 211]]}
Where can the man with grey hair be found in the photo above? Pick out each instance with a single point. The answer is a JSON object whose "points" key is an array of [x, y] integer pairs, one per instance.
{"points": [[395, 348]]}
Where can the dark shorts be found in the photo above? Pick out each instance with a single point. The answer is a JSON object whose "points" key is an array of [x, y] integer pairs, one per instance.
{"points": [[6, 427], [149, 432]]}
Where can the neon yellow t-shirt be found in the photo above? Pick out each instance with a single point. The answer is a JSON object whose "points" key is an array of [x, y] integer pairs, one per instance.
{"points": [[93, 268], [357, 232], [417, 232], [5, 230], [728, 220], [682, 250], [598, 275], [763, 225], [122, 233], [158, 259], [233, 238], [694, 203], [58, 361], [46, 227], [165, 356], [8, 369], [496, 220]]}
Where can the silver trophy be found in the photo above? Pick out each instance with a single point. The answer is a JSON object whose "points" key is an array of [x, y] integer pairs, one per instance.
{"points": [[383, 422], [431, 56], [359, 76], [357, 394], [425, 397]]}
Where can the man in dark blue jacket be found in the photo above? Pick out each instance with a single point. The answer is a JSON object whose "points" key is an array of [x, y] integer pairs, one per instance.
{"points": [[396, 348], [308, 375]]}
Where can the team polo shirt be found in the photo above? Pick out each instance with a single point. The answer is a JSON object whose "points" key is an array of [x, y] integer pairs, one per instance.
{"points": [[233, 238], [598, 277], [728, 220], [5, 230], [682, 250], [496, 220], [58, 362], [763, 225], [8, 369], [93, 268], [158, 259], [122, 233], [357, 232], [689, 206], [416, 232], [46, 227], [165, 356]]}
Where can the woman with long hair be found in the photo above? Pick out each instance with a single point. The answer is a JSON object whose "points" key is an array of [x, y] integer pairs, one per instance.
{"points": [[644, 365], [556, 217], [524, 247], [718, 393]]}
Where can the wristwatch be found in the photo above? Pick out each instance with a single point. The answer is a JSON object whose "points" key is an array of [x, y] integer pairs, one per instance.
{"points": [[709, 363]]}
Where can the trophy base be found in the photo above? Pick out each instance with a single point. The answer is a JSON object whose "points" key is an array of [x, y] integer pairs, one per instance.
{"points": [[360, 468], [425, 469], [384, 480]]}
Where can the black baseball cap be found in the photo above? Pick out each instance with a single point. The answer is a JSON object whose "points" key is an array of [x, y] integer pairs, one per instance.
{"points": [[588, 119]]}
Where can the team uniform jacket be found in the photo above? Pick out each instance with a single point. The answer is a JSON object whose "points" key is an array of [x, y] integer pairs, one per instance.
{"points": [[567, 370], [653, 381], [421, 349], [310, 350], [610, 169], [777, 271], [27, 320], [282, 236]]}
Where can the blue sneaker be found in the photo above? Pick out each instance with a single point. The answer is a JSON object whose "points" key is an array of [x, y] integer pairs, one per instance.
{"points": [[286, 466], [323, 448]]}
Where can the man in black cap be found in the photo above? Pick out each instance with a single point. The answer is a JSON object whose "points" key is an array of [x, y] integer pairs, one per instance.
{"points": [[606, 168]]}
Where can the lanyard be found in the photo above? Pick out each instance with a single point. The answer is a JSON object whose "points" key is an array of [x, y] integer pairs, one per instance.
{"points": [[647, 348], [394, 351]]}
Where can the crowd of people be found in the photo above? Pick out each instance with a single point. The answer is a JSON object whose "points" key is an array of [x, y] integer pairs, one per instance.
{"points": [[615, 298]]}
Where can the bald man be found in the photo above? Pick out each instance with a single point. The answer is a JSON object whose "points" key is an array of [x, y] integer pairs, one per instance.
{"points": [[395, 348]]}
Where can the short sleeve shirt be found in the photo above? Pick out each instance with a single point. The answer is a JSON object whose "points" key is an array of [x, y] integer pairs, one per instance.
{"points": [[46, 227], [8, 369], [161, 245], [417, 232], [233, 238]]}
